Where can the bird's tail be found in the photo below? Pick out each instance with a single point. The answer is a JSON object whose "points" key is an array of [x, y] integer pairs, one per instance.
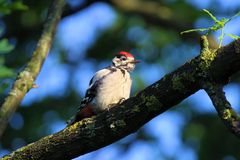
{"points": [[85, 112]]}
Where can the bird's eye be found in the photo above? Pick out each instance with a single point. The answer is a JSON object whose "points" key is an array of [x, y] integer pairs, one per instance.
{"points": [[124, 58], [118, 56]]}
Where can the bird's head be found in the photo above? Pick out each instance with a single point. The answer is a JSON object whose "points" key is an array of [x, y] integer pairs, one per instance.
{"points": [[125, 60]]}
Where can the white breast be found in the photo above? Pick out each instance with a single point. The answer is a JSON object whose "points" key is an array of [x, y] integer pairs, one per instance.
{"points": [[114, 86]]}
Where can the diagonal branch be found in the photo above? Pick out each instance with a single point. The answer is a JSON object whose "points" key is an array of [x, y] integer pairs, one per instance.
{"points": [[103, 129], [223, 107], [26, 78]]}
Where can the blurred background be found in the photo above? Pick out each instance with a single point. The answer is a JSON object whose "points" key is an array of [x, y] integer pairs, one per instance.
{"points": [[87, 37]]}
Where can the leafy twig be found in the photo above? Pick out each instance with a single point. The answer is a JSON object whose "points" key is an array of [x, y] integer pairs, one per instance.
{"points": [[218, 24]]}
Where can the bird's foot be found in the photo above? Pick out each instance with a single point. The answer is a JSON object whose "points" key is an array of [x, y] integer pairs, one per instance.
{"points": [[121, 100]]}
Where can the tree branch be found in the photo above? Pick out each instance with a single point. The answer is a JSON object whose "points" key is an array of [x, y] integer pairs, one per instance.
{"points": [[223, 107], [103, 129], [26, 78], [214, 88]]}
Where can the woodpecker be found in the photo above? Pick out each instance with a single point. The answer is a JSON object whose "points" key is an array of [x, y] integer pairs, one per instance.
{"points": [[108, 87]]}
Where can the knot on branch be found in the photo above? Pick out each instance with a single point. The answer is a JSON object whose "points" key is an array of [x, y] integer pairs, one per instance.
{"points": [[204, 43], [23, 83]]}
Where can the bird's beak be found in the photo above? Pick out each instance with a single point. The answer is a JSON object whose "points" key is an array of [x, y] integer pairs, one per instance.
{"points": [[136, 61]]}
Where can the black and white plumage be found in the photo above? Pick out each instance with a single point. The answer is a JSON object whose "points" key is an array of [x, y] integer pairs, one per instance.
{"points": [[108, 87]]}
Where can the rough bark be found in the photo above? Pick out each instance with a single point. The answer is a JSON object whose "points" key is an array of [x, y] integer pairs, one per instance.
{"points": [[223, 107], [25, 79], [96, 132]]}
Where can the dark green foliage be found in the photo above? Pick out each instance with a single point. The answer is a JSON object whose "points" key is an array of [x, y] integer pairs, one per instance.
{"points": [[6, 7], [208, 135]]}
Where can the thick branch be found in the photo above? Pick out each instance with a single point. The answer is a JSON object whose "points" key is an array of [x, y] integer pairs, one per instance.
{"points": [[93, 133], [223, 107], [26, 78]]}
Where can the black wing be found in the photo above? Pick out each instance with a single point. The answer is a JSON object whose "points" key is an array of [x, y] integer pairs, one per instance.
{"points": [[90, 94], [92, 90]]}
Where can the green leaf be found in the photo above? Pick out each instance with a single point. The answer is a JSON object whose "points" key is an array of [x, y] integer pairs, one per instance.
{"points": [[210, 14], [235, 37], [218, 24], [18, 6], [6, 72], [4, 10], [236, 15], [195, 30], [7, 7], [221, 37], [5, 46], [4, 7], [2, 60]]}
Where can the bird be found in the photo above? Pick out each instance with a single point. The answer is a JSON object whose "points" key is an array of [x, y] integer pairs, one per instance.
{"points": [[108, 87]]}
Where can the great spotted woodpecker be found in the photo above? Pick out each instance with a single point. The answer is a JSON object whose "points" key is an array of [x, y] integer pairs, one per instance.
{"points": [[108, 87]]}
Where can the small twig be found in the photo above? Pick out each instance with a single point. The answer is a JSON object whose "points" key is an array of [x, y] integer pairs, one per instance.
{"points": [[26, 78], [204, 43], [223, 107], [218, 25]]}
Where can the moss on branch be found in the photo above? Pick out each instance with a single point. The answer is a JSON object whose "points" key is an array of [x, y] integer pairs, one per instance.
{"points": [[223, 107]]}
